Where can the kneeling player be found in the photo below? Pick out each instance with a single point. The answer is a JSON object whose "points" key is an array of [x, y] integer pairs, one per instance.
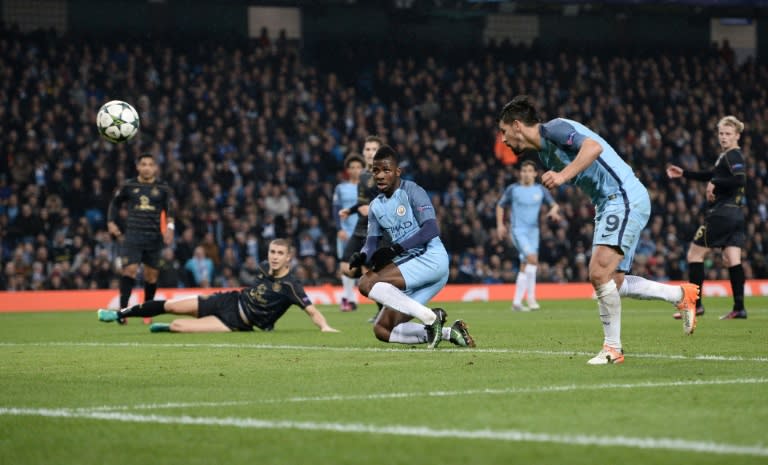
{"points": [[260, 306], [408, 273]]}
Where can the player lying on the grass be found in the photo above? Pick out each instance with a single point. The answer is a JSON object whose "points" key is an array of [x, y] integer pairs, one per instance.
{"points": [[260, 306], [406, 274], [573, 153]]}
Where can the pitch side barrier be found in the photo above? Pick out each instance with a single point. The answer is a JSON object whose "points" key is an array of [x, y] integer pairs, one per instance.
{"points": [[65, 301]]}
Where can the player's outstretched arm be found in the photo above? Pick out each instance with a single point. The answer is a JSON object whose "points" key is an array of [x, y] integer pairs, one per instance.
{"points": [[319, 320]]}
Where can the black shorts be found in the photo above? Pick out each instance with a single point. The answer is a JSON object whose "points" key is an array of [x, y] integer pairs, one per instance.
{"points": [[225, 307], [354, 244], [147, 253], [721, 230]]}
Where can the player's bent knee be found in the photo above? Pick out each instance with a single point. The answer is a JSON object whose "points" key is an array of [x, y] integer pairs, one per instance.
{"points": [[365, 284], [381, 333]]}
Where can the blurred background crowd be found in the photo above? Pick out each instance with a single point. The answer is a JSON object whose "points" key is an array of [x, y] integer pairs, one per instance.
{"points": [[251, 139]]}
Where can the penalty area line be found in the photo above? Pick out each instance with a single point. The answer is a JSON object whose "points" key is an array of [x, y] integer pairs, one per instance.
{"points": [[680, 445]]}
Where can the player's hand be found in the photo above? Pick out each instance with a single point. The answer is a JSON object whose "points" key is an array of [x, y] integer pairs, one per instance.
{"points": [[710, 192], [384, 256], [328, 329], [554, 216], [552, 179], [168, 237], [357, 260], [502, 231], [113, 229], [342, 235], [344, 213], [674, 171]]}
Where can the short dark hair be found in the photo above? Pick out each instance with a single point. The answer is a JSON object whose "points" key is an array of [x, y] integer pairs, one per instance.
{"points": [[143, 156], [384, 152], [283, 243], [528, 162], [354, 157], [521, 109]]}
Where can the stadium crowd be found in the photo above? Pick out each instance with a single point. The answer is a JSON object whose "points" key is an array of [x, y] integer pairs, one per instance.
{"points": [[252, 140]]}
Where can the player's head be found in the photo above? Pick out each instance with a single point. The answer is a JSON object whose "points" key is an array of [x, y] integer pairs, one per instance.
{"points": [[372, 144], [729, 131], [527, 172], [279, 256], [386, 170], [517, 115], [354, 165], [146, 166]]}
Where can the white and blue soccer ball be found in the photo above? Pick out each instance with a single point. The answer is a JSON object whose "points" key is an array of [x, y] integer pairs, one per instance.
{"points": [[117, 121]]}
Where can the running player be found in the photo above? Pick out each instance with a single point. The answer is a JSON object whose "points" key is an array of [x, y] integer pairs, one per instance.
{"points": [[345, 196], [573, 153], [406, 274], [724, 222], [524, 199], [148, 226], [260, 306]]}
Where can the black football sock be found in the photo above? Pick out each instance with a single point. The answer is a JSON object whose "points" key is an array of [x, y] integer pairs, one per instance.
{"points": [[737, 286], [151, 308], [126, 286], [149, 291], [696, 276]]}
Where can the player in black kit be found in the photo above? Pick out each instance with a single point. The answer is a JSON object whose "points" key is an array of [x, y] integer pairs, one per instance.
{"points": [[148, 226], [259, 306], [724, 221]]}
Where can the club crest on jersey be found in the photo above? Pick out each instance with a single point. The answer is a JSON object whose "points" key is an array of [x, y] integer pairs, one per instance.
{"points": [[276, 287], [400, 211], [154, 192]]}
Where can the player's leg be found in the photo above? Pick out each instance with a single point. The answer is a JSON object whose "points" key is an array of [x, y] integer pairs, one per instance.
{"points": [[697, 252], [393, 326], [347, 248], [521, 282], [732, 256], [605, 260], [151, 261], [386, 286], [530, 275], [207, 324]]}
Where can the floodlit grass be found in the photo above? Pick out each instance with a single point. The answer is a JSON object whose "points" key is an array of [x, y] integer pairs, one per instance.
{"points": [[73, 390]]}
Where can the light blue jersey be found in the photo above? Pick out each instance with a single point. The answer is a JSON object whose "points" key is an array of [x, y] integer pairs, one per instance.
{"points": [[607, 178], [621, 201], [425, 266], [525, 203], [345, 196]]}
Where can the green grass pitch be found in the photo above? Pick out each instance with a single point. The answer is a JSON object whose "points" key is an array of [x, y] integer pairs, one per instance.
{"points": [[76, 391]]}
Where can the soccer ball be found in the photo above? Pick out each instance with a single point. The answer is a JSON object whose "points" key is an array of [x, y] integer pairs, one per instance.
{"points": [[117, 121]]}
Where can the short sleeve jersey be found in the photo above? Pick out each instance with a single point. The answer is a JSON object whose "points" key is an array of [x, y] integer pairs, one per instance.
{"points": [[400, 216], [270, 297], [525, 203], [607, 177]]}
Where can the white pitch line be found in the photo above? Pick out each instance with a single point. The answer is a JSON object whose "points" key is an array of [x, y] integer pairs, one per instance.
{"points": [[320, 348], [680, 445], [416, 394]]}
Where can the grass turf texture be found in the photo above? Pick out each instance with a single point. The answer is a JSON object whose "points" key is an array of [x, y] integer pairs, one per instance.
{"points": [[78, 391]]}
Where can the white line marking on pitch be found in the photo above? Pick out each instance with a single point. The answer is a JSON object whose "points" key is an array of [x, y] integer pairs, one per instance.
{"points": [[682, 445], [405, 395], [703, 357]]}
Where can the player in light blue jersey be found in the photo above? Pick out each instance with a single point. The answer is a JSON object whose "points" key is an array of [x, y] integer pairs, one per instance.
{"points": [[345, 196], [524, 200], [406, 274], [573, 153]]}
